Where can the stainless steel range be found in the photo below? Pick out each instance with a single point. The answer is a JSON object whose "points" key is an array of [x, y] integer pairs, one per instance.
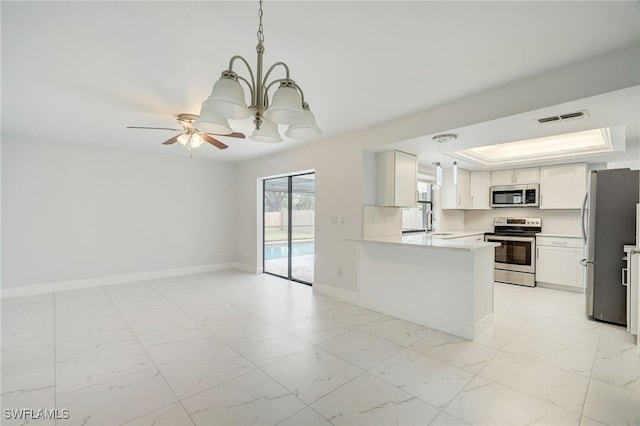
{"points": [[515, 260]]}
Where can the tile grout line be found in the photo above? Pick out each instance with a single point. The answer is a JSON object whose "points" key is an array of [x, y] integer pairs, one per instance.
{"points": [[152, 361], [180, 400]]}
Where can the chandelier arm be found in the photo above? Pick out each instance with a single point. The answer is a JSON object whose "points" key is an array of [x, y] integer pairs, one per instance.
{"points": [[301, 93], [251, 90], [266, 76], [252, 86]]}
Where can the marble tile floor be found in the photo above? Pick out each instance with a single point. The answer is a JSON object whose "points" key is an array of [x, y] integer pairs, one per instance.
{"points": [[231, 348]]}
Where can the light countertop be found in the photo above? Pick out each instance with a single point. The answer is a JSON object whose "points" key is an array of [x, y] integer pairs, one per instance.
{"points": [[447, 235], [555, 235], [425, 240]]}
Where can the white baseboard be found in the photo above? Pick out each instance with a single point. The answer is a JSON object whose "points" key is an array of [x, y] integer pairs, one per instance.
{"points": [[482, 325], [33, 289], [247, 268], [335, 292]]}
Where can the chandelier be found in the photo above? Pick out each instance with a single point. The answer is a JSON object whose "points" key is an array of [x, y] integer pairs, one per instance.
{"points": [[227, 101]]}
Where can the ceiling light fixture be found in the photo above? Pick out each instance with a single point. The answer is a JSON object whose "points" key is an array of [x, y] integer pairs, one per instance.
{"points": [[191, 139], [288, 107], [442, 139], [556, 147]]}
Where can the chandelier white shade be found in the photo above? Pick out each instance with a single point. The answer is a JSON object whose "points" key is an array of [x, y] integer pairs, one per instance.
{"points": [[210, 123], [307, 129], [268, 132], [287, 107], [226, 99]]}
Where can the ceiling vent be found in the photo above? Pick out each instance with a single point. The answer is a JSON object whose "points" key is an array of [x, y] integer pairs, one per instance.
{"points": [[563, 117]]}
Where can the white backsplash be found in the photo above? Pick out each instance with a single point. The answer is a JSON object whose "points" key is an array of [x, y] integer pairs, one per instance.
{"points": [[565, 222], [450, 220], [381, 221]]}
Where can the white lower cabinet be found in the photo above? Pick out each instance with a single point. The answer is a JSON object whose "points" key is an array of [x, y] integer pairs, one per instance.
{"points": [[558, 262]]}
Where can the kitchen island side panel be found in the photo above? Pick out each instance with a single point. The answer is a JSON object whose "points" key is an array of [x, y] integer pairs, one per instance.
{"points": [[448, 290]]}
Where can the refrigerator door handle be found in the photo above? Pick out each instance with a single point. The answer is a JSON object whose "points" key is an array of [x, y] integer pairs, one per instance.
{"points": [[585, 262], [583, 210]]}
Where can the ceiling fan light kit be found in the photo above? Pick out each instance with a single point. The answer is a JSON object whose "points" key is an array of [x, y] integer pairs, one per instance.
{"points": [[192, 137], [227, 100]]}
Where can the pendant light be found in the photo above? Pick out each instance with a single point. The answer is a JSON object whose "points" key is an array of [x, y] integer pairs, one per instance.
{"points": [[287, 106], [442, 139], [455, 172], [438, 174]]}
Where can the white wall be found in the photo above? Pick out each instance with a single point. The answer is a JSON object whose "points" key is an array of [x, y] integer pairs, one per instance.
{"points": [[344, 170], [73, 212]]}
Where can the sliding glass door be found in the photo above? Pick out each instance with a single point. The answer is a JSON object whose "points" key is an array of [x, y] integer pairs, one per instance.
{"points": [[289, 227]]}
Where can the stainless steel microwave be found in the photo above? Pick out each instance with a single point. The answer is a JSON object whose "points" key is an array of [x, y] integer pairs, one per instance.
{"points": [[515, 195]]}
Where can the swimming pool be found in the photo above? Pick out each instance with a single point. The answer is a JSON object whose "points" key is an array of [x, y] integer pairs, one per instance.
{"points": [[281, 249]]}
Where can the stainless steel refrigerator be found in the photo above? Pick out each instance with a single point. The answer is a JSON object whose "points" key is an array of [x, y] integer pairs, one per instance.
{"points": [[608, 224]]}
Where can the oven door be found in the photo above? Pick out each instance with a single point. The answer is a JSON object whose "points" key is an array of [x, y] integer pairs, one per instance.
{"points": [[514, 253]]}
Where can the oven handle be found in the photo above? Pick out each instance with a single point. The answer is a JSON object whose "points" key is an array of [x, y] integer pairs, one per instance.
{"points": [[507, 238]]}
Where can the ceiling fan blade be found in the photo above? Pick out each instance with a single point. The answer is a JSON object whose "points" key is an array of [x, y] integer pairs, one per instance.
{"points": [[214, 142], [230, 135], [171, 141], [154, 128]]}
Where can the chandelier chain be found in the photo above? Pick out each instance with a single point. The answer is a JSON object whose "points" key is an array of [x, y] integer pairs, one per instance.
{"points": [[260, 29]]}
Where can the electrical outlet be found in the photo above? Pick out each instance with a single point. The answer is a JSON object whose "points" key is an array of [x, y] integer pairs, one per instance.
{"points": [[341, 220], [334, 220], [339, 271]]}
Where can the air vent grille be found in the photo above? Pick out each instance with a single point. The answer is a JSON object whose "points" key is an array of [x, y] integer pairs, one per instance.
{"points": [[563, 117]]}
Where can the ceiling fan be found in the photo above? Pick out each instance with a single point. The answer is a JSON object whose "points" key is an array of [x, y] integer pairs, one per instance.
{"points": [[192, 137]]}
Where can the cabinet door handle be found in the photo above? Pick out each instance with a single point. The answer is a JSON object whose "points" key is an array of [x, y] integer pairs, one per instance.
{"points": [[472, 201], [459, 200], [541, 200], [559, 243], [537, 253]]}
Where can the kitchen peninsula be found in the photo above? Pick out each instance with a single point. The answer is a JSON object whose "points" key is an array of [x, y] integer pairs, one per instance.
{"points": [[439, 283]]}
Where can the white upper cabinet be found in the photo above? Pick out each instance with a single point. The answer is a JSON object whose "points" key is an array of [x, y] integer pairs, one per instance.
{"points": [[455, 196], [515, 176], [396, 179], [563, 186], [479, 188]]}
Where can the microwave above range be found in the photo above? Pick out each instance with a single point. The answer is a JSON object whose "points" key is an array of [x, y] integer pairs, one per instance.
{"points": [[515, 195]]}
